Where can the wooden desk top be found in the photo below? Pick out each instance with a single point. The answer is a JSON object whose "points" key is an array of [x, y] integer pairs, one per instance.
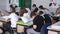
{"points": [[55, 27]]}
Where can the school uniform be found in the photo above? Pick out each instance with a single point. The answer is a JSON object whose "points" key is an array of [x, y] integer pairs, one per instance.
{"points": [[38, 21], [13, 18], [47, 20], [25, 17]]}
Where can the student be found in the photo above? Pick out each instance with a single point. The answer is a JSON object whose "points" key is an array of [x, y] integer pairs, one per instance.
{"points": [[11, 8], [25, 17], [29, 11], [52, 9], [38, 21], [13, 18], [20, 24], [45, 10], [7, 27], [57, 16], [34, 8], [58, 11], [47, 22]]}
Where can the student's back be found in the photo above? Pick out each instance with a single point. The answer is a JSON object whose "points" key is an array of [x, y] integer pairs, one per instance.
{"points": [[13, 17], [39, 21], [47, 22], [47, 18]]}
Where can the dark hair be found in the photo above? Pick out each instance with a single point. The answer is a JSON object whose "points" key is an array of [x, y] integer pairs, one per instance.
{"points": [[34, 5], [40, 12], [13, 8], [50, 4], [19, 19], [16, 6], [41, 6], [32, 14], [58, 12], [11, 5], [22, 11]]}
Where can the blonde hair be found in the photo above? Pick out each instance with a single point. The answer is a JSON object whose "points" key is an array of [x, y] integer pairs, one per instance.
{"points": [[58, 11]]}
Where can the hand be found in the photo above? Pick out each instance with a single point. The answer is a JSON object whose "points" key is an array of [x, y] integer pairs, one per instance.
{"points": [[34, 26]]}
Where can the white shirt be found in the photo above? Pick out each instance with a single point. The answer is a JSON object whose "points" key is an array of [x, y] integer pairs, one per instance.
{"points": [[33, 8], [52, 10], [29, 11], [45, 11], [25, 17], [14, 19]]}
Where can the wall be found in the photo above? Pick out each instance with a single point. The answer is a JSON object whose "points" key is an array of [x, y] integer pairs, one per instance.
{"points": [[15, 2], [3, 4], [45, 3]]}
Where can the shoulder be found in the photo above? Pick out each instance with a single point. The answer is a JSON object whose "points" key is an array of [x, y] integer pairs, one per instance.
{"points": [[46, 15]]}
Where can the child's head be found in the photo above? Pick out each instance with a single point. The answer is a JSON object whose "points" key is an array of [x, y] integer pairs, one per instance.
{"points": [[40, 12], [50, 4], [32, 14], [19, 19], [41, 6], [34, 5], [58, 11], [11, 6]]}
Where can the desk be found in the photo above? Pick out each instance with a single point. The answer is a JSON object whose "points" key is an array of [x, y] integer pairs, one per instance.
{"points": [[2, 20], [21, 28], [54, 29]]}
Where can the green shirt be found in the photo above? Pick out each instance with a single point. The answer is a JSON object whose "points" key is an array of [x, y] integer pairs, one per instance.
{"points": [[20, 22]]}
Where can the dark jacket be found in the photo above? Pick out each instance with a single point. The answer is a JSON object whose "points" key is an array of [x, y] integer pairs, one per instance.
{"points": [[39, 21], [47, 19]]}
